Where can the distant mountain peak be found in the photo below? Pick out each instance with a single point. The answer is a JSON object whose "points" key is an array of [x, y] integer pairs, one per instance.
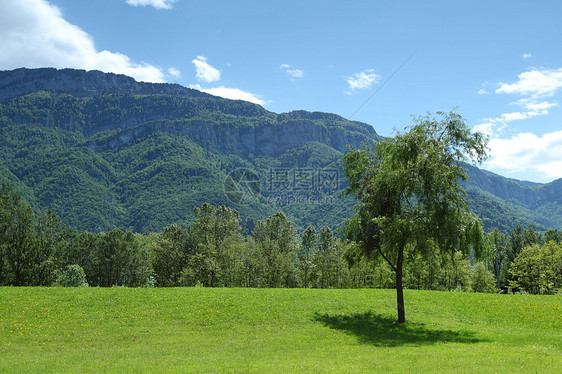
{"points": [[81, 83]]}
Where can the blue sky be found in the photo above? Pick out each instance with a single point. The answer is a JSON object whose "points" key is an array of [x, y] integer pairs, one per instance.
{"points": [[500, 62]]}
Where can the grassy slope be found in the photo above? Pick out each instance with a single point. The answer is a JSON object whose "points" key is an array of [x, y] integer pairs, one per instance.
{"points": [[275, 330]]}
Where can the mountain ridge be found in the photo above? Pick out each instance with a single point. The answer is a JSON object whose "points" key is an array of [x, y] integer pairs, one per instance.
{"points": [[81, 83], [102, 150]]}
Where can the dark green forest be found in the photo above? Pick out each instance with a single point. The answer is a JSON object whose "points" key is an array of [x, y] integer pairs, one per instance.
{"points": [[38, 250]]}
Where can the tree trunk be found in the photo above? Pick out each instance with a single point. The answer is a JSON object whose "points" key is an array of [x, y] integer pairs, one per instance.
{"points": [[399, 290]]}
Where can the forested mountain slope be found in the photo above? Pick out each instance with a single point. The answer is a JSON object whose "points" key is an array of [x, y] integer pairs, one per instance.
{"points": [[103, 151]]}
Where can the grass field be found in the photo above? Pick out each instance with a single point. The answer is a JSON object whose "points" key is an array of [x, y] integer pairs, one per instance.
{"points": [[275, 331]]}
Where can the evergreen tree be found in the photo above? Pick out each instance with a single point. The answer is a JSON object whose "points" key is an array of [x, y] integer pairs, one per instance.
{"points": [[19, 248]]}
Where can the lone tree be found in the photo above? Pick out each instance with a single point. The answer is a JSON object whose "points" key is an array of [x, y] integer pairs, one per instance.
{"points": [[409, 192]]}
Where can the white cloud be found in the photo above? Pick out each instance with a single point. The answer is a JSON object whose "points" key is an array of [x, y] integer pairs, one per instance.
{"points": [[231, 93], [33, 33], [534, 105], [158, 4], [294, 73], [174, 73], [208, 74], [527, 55], [491, 126], [535, 86], [486, 128], [495, 125], [205, 72], [508, 117], [536, 82], [526, 152], [362, 80], [482, 92]]}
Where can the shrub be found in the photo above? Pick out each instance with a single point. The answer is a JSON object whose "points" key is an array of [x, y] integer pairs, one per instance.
{"points": [[72, 276]]}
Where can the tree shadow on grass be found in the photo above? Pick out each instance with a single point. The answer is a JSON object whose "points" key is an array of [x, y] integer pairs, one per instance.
{"points": [[377, 330]]}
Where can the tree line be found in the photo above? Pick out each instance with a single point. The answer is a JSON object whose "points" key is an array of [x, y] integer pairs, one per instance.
{"points": [[38, 250]]}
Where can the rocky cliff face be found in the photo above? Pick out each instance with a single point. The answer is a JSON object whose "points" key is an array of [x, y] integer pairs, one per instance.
{"points": [[81, 83], [271, 138], [164, 109]]}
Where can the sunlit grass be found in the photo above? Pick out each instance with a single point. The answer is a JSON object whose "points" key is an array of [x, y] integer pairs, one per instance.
{"points": [[275, 330]]}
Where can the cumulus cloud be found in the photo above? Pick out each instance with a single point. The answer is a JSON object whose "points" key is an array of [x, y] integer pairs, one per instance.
{"points": [[536, 82], [362, 80], [527, 55], [231, 93], [495, 125], [205, 72], [33, 33], [482, 92], [158, 4], [527, 152], [293, 73], [536, 86], [535, 105]]}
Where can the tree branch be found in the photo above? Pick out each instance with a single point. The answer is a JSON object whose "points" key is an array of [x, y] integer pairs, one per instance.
{"points": [[387, 260]]}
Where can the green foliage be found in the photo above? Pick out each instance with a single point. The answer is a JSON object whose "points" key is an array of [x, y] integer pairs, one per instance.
{"points": [[331, 271], [426, 270], [18, 240], [457, 274], [30, 247], [277, 240], [81, 249], [497, 213], [409, 193], [170, 253], [72, 276], [499, 251], [212, 252], [120, 260], [305, 255], [481, 280], [537, 269], [553, 235], [218, 237]]}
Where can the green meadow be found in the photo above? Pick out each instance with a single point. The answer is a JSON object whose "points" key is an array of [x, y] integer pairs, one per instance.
{"points": [[237, 330]]}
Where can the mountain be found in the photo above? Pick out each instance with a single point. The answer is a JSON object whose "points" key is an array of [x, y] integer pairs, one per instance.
{"points": [[81, 83], [502, 201], [102, 151]]}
